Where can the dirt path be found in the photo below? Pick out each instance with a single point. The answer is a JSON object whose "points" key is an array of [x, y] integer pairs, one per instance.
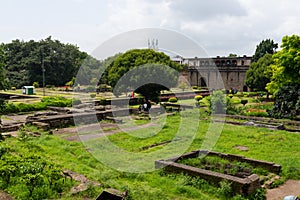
{"points": [[291, 187], [106, 129], [5, 196]]}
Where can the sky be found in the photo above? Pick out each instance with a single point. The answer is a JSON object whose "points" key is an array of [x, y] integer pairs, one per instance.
{"points": [[220, 27]]}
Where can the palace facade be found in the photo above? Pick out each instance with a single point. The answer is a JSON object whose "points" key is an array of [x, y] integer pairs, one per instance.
{"points": [[217, 72]]}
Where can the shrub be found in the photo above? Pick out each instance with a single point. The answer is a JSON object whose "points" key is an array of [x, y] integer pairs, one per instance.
{"points": [[11, 108], [22, 107], [261, 99], [257, 113], [49, 86], [92, 95], [198, 97], [40, 106], [57, 101], [13, 88], [173, 99], [240, 94], [90, 88], [76, 101], [36, 84], [103, 102], [218, 102], [225, 189]]}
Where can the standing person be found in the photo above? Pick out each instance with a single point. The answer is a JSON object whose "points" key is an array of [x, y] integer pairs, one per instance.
{"points": [[148, 106], [145, 106]]}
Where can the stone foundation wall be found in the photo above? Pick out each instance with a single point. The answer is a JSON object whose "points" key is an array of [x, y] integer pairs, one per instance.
{"points": [[243, 186]]}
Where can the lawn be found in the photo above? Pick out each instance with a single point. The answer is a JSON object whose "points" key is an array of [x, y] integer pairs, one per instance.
{"points": [[98, 160]]}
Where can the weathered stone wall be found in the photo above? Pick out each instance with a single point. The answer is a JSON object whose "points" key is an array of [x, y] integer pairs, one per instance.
{"points": [[239, 185], [244, 186], [209, 71]]}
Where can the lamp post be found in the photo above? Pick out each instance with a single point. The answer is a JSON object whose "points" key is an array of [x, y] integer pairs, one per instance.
{"points": [[43, 70]]}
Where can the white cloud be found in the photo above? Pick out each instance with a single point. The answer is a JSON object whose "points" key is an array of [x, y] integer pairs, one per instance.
{"points": [[221, 26]]}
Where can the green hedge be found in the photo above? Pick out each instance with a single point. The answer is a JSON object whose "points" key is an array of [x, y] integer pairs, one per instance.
{"points": [[46, 101]]}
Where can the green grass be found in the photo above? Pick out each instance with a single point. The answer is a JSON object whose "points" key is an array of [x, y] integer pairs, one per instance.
{"points": [[280, 147]]}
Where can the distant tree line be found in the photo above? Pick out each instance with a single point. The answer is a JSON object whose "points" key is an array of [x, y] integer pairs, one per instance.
{"points": [[23, 62]]}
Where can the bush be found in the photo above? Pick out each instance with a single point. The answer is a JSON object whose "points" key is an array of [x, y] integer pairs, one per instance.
{"points": [[36, 84], [173, 99], [76, 101], [198, 97], [225, 189], [103, 102], [49, 86], [22, 107], [239, 94], [57, 101], [91, 88], [13, 88], [218, 102], [287, 102], [11, 108], [92, 95], [257, 113]]}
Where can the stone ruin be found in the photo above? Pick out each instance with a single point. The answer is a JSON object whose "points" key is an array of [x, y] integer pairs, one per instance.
{"points": [[244, 186]]}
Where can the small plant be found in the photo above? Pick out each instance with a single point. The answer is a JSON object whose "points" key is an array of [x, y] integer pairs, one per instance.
{"points": [[225, 189], [92, 95], [173, 99], [183, 86], [198, 97], [13, 88], [90, 88], [239, 94], [36, 84], [195, 87]]}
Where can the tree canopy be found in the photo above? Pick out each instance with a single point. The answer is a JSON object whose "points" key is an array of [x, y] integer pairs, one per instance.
{"points": [[2, 75], [285, 79], [267, 46], [286, 67], [258, 74], [24, 61], [148, 71]]}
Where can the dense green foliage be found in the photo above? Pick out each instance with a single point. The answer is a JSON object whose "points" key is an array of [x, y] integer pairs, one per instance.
{"points": [[285, 78], [286, 67], [218, 102], [3, 80], [150, 68], [7, 108], [287, 104], [257, 76], [24, 61], [263, 144], [264, 47], [28, 175]]}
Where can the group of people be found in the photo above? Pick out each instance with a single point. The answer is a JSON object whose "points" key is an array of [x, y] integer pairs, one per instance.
{"points": [[146, 106]]}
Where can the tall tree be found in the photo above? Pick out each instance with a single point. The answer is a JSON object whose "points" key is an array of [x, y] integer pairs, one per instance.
{"points": [[286, 67], [3, 80], [258, 74], [285, 79], [25, 60], [267, 46], [145, 70]]}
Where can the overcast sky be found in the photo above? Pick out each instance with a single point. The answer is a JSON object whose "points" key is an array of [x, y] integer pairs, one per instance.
{"points": [[219, 26]]}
